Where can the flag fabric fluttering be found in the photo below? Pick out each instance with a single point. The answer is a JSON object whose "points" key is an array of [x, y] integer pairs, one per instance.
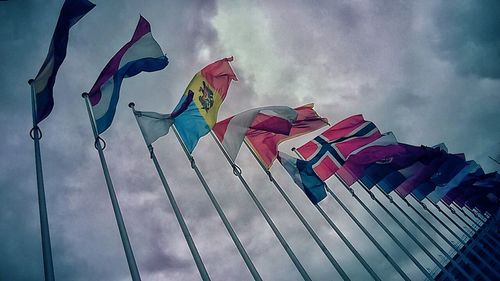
{"points": [[451, 166], [231, 131], [43, 84], [141, 53], [420, 172], [382, 149], [264, 143], [441, 190], [376, 172], [153, 125], [304, 177], [467, 181], [196, 113], [329, 151]]}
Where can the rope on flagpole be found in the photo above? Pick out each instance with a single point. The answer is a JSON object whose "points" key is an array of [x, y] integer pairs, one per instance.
{"points": [[448, 257], [459, 239], [268, 219], [372, 196], [36, 135], [302, 219], [215, 203], [132, 265], [363, 229]]}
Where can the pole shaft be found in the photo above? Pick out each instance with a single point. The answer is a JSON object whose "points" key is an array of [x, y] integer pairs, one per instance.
{"points": [[225, 221], [132, 265], [178, 215], [386, 230], [424, 249], [363, 229], [448, 257], [459, 239], [48, 265], [302, 219], [268, 219]]}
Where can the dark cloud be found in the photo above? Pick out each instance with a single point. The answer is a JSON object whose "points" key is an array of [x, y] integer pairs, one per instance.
{"points": [[375, 58], [468, 35]]}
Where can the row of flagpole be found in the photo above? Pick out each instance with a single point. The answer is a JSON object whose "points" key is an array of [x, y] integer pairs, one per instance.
{"points": [[154, 59], [99, 145]]}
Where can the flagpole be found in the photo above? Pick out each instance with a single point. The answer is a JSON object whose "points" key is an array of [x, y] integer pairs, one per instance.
{"points": [[36, 135], [463, 230], [192, 247], [305, 223], [386, 230], [225, 221], [460, 227], [134, 272], [277, 233], [358, 223], [448, 257], [372, 196], [474, 228], [467, 215], [459, 239]]}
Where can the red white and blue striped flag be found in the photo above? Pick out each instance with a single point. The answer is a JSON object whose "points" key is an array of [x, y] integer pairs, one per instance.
{"points": [[142, 53], [71, 12]]}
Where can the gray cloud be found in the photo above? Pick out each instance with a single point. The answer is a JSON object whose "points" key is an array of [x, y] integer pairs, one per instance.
{"points": [[381, 59]]}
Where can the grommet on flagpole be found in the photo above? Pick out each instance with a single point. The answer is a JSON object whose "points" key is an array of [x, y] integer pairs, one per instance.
{"points": [[236, 170], [30, 81], [131, 105], [85, 95], [96, 142], [32, 133]]}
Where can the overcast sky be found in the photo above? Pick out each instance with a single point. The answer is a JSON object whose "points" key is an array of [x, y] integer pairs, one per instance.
{"points": [[426, 70]]}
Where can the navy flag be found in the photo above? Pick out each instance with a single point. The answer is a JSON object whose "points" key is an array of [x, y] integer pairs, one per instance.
{"points": [[71, 12]]}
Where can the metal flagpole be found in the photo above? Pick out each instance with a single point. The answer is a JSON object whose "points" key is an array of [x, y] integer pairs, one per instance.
{"points": [[453, 246], [461, 228], [472, 227], [303, 220], [459, 239], [134, 272], [192, 247], [448, 257], [386, 230], [480, 217], [36, 135], [237, 173], [358, 223], [223, 217], [467, 215], [372, 196]]}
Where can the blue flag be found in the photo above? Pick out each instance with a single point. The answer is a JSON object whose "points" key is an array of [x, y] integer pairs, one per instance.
{"points": [[71, 12], [304, 177]]}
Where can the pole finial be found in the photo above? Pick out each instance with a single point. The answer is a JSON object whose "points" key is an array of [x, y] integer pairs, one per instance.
{"points": [[31, 81], [85, 95], [131, 104]]}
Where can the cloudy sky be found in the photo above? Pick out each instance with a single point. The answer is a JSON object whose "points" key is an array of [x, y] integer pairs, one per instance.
{"points": [[426, 70]]}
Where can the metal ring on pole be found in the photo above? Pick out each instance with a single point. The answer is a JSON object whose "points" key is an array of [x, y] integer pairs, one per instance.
{"points": [[351, 191], [271, 179], [236, 170], [390, 198], [97, 141], [32, 133], [191, 161]]}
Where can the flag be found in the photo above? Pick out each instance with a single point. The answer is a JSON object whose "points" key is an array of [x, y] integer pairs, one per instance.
{"points": [[153, 125], [71, 12], [264, 143], [441, 190], [231, 131], [374, 173], [304, 177], [196, 113], [422, 172], [382, 149], [451, 166], [141, 53], [329, 151], [409, 166], [467, 181]]}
